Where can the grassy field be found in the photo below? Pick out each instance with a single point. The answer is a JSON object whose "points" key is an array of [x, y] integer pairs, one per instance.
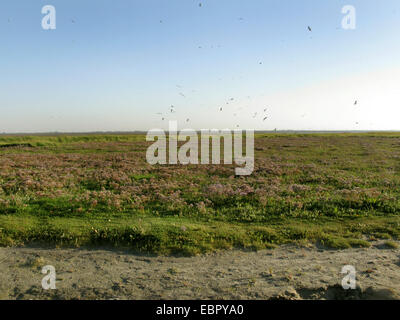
{"points": [[337, 190]]}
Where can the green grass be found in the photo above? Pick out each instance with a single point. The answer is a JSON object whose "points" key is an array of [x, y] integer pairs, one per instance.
{"points": [[391, 244], [185, 236], [335, 190]]}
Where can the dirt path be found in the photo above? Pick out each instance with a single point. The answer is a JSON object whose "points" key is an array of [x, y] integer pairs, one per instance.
{"points": [[287, 272]]}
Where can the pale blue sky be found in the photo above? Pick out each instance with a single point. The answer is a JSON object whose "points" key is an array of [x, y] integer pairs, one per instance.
{"points": [[112, 65]]}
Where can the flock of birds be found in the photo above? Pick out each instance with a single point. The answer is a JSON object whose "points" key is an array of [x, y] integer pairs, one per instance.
{"points": [[172, 107], [264, 113], [221, 109]]}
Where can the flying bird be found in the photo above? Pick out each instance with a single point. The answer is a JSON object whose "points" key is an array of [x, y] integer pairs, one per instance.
{"points": [[309, 28], [265, 118], [355, 102]]}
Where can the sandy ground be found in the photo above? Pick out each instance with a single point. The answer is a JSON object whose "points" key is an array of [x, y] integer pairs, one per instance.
{"points": [[287, 272]]}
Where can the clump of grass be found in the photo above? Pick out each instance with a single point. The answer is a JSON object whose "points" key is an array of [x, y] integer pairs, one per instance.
{"points": [[381, 235], [252, 282], [34, 262], [391, 245], [173, 271], [335, 242], [359, 243]]}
